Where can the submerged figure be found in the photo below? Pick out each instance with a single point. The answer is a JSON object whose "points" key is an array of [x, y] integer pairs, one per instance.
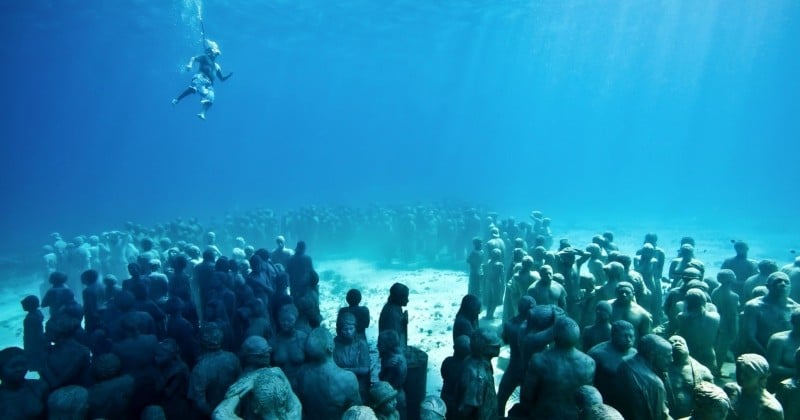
{"points": [[203, 80]]}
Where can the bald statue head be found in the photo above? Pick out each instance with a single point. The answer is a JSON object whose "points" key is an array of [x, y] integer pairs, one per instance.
{"points": [[778, 284], [566, 333], [726, 276], [319, 346], [622, 335], [656, 351], [624, 292]]}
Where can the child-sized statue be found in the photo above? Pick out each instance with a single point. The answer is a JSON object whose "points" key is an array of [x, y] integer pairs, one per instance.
{"points": [[382, 399], [476, 392]]}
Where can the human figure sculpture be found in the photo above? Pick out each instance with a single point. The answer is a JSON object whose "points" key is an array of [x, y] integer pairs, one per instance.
{"points": [[262, 392], [537, 331], [452, 367], [393, 317], [476, 397], [780, 352], [383, 400], [20, 398], [710, 402], [67, 361], [596, 264], [514, 372], [546, 291], [351, 351], [624, 308], [590, 406], [325, 390], [752, 401], [788, 391], [215, 371], [765, 269], [59, 295], [466, 321], [174, 379], [493, 283], [700, 328], [685, 260], [766, 315], [288, 345], [741, 266], [110, 396], [684, 374], [281, 254], [646, 263], [299, 268], [642, 378], [361, 312], [608, 356], [600, 331], [93, 299], [475, 262], [394, 366], [793, 271], [68, 403], [727, 303], [33, 339], [554, 375], [517, 287]]}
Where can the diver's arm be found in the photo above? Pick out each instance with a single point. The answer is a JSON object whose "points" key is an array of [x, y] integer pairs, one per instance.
{"points": [[219, 73], [190, 64]]}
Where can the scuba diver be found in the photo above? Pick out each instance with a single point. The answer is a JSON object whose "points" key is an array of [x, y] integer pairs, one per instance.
{"points": [[203, 80]]}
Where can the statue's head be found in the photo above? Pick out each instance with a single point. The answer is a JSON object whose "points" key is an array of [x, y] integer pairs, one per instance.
{"points": [[319, 345], [485, 343], [13, 365], [566, 333], [752, 371], [433, 408], [398, 294], [767, 267], [106, 366], [656, 351], [255, 351], [382, 397], [710, 401], [778, 284], [614, 270], [680, 350], [602, 311], [346, 325], [624, 292], [726, 276], [622, 335], [546, 272]]}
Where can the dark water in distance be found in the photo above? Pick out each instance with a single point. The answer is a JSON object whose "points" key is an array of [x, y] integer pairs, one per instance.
{"points": [[606, 112]]}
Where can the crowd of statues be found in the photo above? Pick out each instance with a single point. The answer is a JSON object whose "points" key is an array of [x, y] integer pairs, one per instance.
{"points": [[161, 323]]}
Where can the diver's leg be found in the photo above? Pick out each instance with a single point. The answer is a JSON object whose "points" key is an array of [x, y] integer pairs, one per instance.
{"points": [[206, 102], [190, 90]]}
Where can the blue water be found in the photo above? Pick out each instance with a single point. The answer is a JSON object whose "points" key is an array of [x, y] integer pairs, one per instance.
{"points": [[606, 112]]}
